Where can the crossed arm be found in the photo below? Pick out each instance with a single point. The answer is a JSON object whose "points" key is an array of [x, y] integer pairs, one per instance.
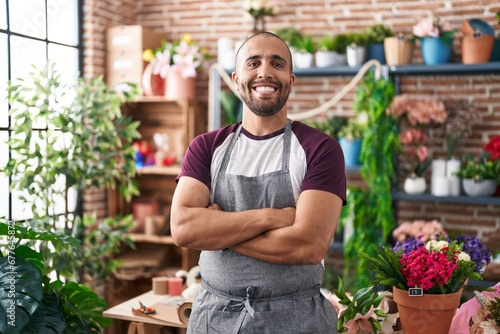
{"points": [[289, 236]]}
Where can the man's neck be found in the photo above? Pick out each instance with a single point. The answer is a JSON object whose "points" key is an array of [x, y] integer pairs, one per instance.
{"points": [[263, 125]]}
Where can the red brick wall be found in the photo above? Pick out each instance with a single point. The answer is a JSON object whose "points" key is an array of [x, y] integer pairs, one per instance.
{"points": [[208, 20]]}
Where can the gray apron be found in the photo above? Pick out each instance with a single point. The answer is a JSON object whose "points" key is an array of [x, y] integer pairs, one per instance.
{"points": [[239, 294]]}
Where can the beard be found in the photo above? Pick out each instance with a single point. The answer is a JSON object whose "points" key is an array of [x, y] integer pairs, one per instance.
{"points": [[265, 107]]}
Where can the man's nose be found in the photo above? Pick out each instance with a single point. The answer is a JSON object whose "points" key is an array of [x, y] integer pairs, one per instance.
{"points": [[265, 71]]}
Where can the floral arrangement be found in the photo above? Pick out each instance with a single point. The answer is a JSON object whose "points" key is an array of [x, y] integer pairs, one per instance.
{"points": [[366, 311], [493, 148], [418, 111], [415, 153], [480, 167], [462, 117], [421, 229], [185, 56], [431, 27], [258, 10], [438, 267]]}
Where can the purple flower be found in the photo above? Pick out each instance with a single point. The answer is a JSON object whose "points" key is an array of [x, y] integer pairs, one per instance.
{"points": [[408, 245], [476, 250]]}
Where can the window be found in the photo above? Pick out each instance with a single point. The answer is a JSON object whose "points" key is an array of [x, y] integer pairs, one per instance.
{"points": [[33, 32]]}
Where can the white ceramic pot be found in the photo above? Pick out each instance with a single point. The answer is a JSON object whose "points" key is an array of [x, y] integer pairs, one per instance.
{"points": [[355, 55], [340, 59], [453, 166], [479, 188], [324, 58], [303, 59], [414, 185]]}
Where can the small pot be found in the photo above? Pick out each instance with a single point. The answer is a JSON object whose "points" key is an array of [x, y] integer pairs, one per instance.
{"points": [[414, 185], [479, 188]]}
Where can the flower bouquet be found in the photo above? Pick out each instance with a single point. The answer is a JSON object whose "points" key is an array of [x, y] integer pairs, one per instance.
{"points": [[415, 155], [462, 117]]}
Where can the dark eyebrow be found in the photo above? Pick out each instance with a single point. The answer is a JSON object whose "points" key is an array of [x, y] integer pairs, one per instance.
{"points": [[276, 57]]}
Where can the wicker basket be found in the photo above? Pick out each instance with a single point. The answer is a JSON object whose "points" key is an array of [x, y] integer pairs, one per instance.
{"points": [[397, 50]]}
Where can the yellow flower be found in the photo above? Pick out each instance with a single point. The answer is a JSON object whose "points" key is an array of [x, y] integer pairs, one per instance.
{"points": [[186, 38], [148, 55]]}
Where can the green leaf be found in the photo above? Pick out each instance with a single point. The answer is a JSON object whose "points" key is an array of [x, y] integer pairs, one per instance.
{"points": [[49, 318], [20, 293]]}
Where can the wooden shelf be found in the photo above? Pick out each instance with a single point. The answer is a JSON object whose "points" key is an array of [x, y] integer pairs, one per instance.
{"points": [[427, 197], [160, 170], [151, 239]]}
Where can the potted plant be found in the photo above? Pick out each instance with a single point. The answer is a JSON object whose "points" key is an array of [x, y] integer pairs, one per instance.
{"points": [[291, 36], [480, 175], [436, 40], [350, 139], [331, 126], [376, 35], [426, 279], [414, 159], [88, 145], [339, 46], [305, 52], [325, 56], [356, 50]]}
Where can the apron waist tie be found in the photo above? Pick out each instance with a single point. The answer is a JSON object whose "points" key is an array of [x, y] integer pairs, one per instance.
{"points": [[244, 302]]}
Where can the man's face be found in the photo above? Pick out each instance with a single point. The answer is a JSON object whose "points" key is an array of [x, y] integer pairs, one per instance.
{"points": [[263, 77]]}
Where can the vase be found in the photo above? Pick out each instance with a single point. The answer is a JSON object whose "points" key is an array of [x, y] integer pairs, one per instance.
{"points": [[414, 185], [303, 59], [479, 188], [355, 55], [179, 87], [376, 51], [426, 313], [352, 150], [436, 51], [152, 84], [453, 166], [439, 181]]}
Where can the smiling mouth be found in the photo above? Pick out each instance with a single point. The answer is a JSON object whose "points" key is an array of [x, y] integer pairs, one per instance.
{"points": [[264, 89]]}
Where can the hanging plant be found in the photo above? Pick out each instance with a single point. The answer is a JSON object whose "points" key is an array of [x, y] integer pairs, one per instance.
{"points": [[372, 214]]}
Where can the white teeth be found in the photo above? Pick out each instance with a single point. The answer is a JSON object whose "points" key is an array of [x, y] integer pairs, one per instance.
{"points": [[264, 89]]}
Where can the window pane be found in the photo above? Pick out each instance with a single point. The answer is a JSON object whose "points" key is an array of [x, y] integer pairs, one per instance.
{"points": [[66, 59], [23, 53], [4, 181], [3, 15], [3, 82], [28, 17], [62, 21]]}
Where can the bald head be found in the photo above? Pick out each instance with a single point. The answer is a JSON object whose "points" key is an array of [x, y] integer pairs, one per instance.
{"points": [[264, 35]]}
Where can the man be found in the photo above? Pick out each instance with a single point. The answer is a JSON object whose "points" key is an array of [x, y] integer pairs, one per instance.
{"points": [[261, 199]]}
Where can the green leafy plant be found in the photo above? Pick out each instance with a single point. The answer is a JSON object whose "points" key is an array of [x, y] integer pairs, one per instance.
{"points": [[38, 304], [306, 44], [290, 35], [232, 108], [479, 167], [331, 126], [377, 33], [372, 213], [340, 43], [326, 43], [352, 130], [359, 38], [87, 145]]}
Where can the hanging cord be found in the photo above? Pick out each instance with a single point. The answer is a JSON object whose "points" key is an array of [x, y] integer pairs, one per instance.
{"points": [[305, 114]]}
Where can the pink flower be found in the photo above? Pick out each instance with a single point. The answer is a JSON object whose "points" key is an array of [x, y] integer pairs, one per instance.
{"points": [[422, 153], [426, 28]]}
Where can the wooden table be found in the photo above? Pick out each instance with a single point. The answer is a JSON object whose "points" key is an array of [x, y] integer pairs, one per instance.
{"points": [[131, 324]]}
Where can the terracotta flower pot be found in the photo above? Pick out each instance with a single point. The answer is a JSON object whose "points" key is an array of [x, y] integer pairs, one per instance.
{"points": [[178, 88], [427, 313]]}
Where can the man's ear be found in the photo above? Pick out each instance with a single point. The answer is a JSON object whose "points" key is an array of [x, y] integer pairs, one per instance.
{"points": [[292, 81], [235, 78]]}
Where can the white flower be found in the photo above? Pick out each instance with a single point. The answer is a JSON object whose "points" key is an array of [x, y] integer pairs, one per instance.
{"points": [[434, 245], [464, 256]]}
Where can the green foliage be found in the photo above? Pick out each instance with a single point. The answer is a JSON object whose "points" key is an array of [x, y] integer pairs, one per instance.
{"points": [[479, 168], [331, 126], [87, 144], [495, 303], [290, 35], [232, 108], [377, 33], [42, 306], [326, 43], [361, 303], [352, 130], [340, 43], [373, 217], [359, 38], [306, 44]]}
